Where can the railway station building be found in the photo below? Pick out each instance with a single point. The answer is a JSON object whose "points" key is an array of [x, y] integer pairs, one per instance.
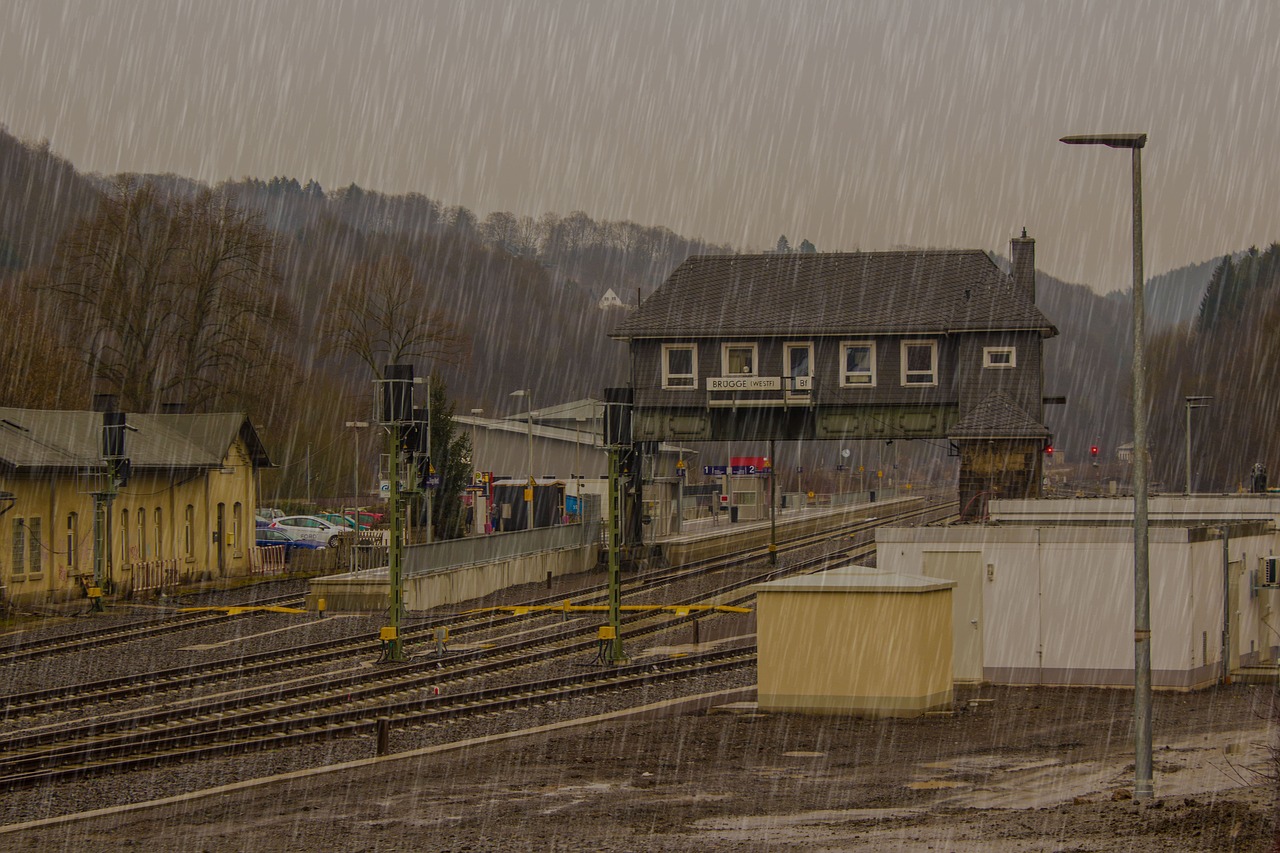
{"points": [[923, 344], [185, 512]]}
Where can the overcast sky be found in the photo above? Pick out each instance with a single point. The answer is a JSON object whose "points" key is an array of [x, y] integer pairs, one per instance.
{"points": [[859, 125]]}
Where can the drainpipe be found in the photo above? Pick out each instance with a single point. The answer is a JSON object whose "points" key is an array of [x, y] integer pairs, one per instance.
{"points": [[1226, 606]]}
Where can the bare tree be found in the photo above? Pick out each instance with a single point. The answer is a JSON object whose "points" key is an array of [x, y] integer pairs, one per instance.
{"points": [[382, 317], [171, 298]]}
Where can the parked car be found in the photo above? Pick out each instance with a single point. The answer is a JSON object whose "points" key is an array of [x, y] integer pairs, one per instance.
{"points": [[369, 518], [345, 520], [274, 536], [270, 513], [311, 528]]}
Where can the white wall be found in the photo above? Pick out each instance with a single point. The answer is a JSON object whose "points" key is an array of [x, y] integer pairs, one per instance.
{"points": [[1058, 600]]}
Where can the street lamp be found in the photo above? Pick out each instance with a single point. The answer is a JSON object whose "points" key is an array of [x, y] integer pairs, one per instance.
{"points": [[1143, 785], [475, 414], [1194, 401], [355, 458], [528, 395], [577, 469]]}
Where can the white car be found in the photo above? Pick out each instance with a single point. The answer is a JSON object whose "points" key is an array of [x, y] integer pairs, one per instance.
{"points": [[311, 529]]}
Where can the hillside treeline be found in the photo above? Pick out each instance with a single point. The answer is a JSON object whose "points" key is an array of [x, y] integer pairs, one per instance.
{"points": [[253, 295], [1231, 352]]}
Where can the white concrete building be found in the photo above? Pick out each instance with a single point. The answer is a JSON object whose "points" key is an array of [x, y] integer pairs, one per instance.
{"points": [[1044, 590]]}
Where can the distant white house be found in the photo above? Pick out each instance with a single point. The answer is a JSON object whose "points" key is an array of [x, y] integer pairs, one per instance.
{"points": [[611, 300]]}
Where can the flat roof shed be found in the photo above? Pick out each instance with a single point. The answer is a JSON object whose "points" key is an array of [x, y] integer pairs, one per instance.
{"points": [[854, 640]]}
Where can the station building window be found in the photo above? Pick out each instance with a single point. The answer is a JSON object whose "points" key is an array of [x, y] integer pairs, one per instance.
{"points": [[998, 358], [857, 364], [679, 366], [738, 360], [798, 368], [188, 528], [73, 535], [19, 566], [36, 564], [124, 537], [919, 363]]}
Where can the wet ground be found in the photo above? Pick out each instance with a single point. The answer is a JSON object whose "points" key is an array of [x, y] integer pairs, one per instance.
{"points": [[1012, 769]]}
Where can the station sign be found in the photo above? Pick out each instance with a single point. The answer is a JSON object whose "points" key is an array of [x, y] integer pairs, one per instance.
{"points": [[735, 470], [744, 383], [433, 481]]}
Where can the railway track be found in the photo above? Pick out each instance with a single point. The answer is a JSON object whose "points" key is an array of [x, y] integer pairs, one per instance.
{"points": [[349, 701], [96, 638], [174, 746]]}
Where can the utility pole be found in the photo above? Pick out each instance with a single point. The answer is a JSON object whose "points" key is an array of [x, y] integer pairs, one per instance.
{"points": [[397, 407], [617, 436], [116, 467]]}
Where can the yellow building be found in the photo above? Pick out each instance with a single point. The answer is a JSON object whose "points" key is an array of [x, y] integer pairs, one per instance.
{"points": [[186, 511]]}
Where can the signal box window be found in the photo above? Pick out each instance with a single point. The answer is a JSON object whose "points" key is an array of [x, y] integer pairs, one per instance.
{"points": [[798, 367], [739, 360], [679, 366], [919, 363], [999, 357], [858, 364]]}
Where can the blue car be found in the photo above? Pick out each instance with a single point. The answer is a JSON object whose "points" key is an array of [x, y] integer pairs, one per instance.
{"points": [[273, 536]]}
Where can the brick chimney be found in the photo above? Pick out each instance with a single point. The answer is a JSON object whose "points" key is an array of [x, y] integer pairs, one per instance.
{"points": [[1022, 250]]}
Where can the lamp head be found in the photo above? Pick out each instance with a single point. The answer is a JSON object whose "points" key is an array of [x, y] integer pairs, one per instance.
{"points": [[1111, 140]]}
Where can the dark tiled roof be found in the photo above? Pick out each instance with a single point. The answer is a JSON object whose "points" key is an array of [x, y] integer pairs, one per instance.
{"points": [[834, 293], [41, 438], [997, 416]]}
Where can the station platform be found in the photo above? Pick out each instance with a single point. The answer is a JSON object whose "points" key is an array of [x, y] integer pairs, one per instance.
{"points": [[701, 538]]}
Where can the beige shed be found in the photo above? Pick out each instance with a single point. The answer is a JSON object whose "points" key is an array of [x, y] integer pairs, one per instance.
{"points": [[854, 640]]}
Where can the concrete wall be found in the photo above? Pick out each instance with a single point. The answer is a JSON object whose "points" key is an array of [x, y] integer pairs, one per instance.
{"points": [[866, 653], [1057, 601], [369, 591]]}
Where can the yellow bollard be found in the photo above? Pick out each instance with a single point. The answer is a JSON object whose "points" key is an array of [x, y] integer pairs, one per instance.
{"points": [[320, 606]]}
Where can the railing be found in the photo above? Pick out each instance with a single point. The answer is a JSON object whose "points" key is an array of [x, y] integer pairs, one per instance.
{"points": [[267, 560], [150, 575]]}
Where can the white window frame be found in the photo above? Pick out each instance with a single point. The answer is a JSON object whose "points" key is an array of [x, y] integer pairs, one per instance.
{"points": [[787, 349], [933, 363], [755, 359], [667, 376], [845, 346], [988, 354]]}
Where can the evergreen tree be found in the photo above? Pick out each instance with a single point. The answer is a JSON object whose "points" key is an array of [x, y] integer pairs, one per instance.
{"points": [[808, 248], [451, 458], [783, 246]]}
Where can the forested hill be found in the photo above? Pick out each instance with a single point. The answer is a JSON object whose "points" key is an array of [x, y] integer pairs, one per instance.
{"points": [[511, 299]]}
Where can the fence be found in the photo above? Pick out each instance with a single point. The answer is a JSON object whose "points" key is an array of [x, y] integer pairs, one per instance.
{"points": [[150, 575], [268, 560]]}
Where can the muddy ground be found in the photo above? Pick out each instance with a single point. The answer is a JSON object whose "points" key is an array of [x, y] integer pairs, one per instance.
{"points": [[1013, 769]]}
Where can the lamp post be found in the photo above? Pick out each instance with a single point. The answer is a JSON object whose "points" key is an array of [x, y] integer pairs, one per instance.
{"points": [[355, 457], [475, 414], [1194, 401], [528, 495], [1143, 784], [577, 469]]}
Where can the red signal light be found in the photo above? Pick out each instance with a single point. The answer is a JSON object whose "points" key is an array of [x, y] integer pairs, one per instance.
{"points": [[1049, 450], [1093, 451]]}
